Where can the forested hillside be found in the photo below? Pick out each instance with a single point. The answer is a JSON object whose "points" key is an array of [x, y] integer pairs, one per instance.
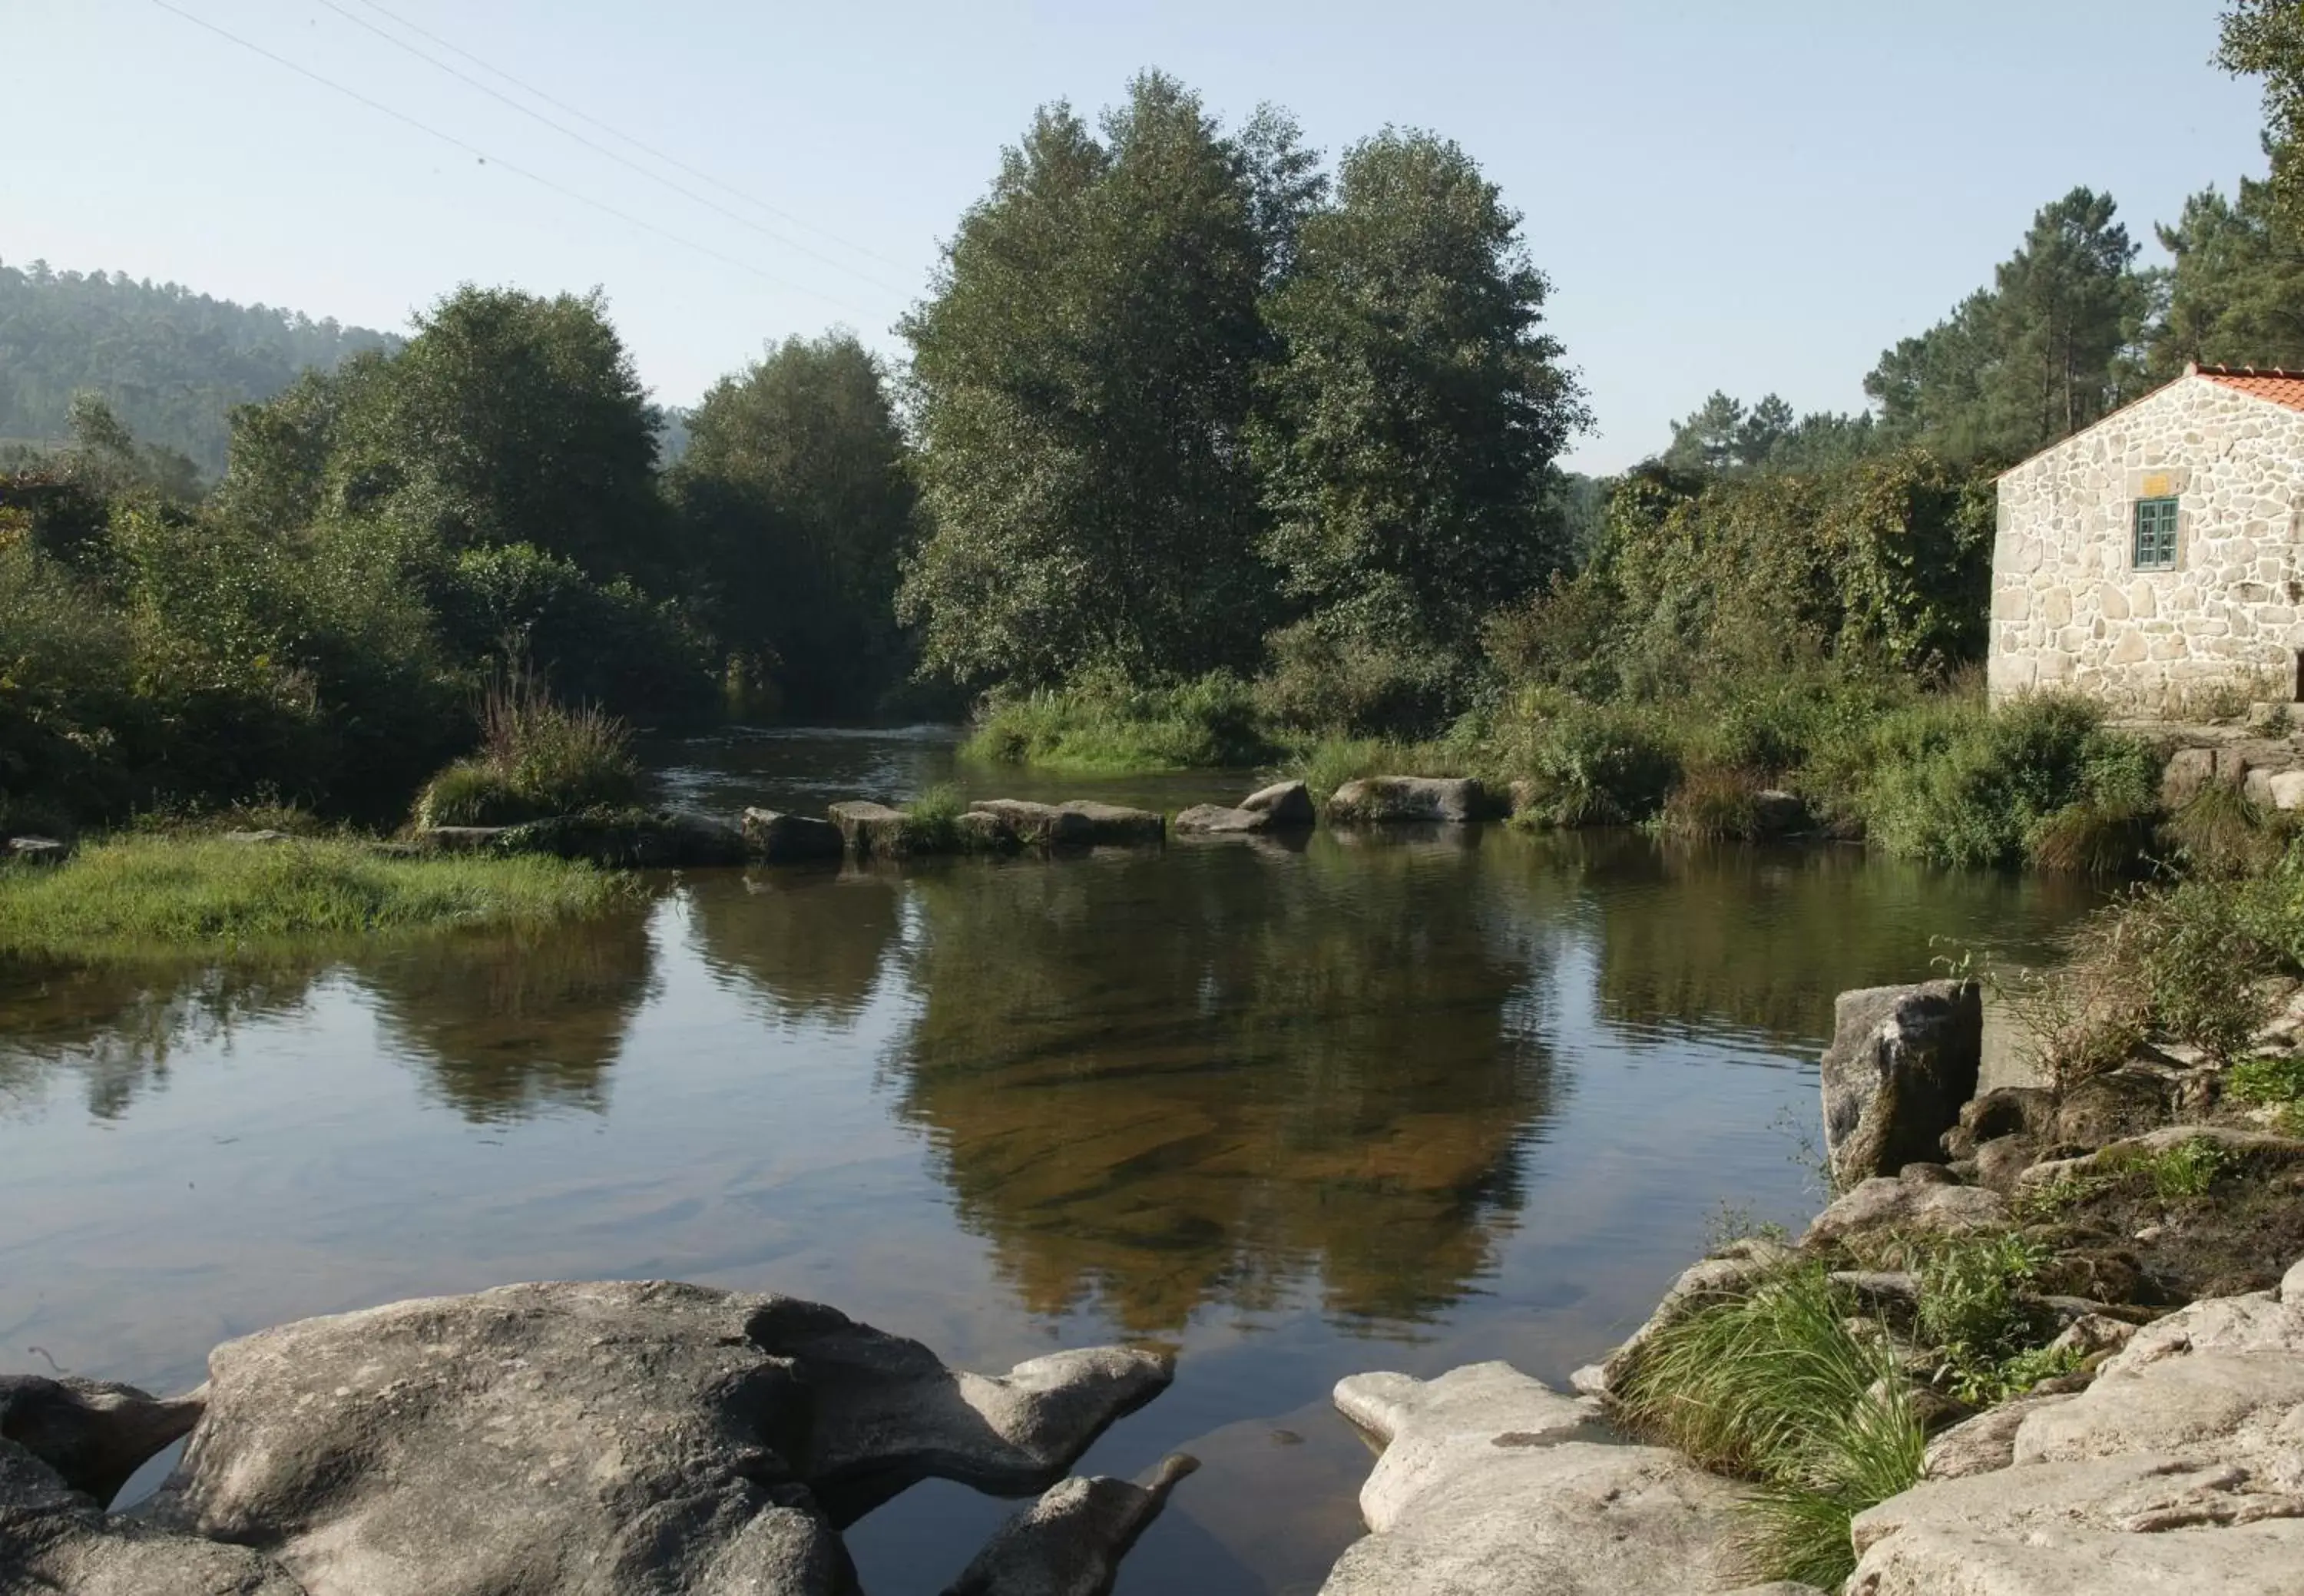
{"points": [[170, 362]]}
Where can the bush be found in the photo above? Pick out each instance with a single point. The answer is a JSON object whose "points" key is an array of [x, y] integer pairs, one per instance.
{"points": [[1952, 782], [1972, 1309], [1103, 723], [2218, 832], [1774, 1386], [149, 896], [1350, 686], [1597, 765]]}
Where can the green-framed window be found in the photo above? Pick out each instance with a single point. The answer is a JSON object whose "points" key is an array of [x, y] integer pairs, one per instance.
{"points": [[2155, 546]]}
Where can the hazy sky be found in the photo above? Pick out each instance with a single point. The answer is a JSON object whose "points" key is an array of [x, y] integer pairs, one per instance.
{"points": [[1748, 194]]}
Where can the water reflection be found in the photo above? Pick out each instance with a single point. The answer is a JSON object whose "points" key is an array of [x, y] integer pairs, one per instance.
{"points": [[116, 1030], [507, 1026], [810, 940], [1212, 1076]]}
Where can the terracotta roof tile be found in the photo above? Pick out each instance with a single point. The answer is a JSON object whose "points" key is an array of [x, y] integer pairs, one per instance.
{"points": [[2282, 387]]}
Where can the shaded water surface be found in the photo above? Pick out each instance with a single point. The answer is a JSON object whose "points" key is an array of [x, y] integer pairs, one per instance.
{"points": [[1295, 1111]]}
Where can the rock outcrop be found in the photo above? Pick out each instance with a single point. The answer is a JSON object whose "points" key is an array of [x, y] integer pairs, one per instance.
{"points": [[2179, 1469], [606, 1439], [1490, 1482], [774, 837], [1385, 800], [1903, 1062], [1906, 1207]]}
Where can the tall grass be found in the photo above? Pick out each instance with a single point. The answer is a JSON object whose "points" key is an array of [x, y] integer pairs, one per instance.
{"points": [[144, 896], [538, 758], [1102, 723], [1774, 1386]]}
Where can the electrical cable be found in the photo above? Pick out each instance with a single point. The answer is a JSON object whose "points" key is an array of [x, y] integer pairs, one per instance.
{"points": [[645, 149], [622, 160], [485, 159]]}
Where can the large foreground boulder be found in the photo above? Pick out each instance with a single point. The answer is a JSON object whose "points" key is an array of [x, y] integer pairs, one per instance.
{"points": [[607, 1439], [1385, 800], [1492, 1484], [2180, 1469], [1903, 1062]]}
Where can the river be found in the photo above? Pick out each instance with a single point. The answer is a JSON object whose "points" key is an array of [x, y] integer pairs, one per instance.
{"points": [[1293, 1110]]}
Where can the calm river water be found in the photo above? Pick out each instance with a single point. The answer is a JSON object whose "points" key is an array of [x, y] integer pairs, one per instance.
{"points": [[1294, 1111]]}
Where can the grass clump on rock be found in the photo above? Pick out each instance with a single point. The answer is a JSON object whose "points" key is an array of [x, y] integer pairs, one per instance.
{"points": [[1776, 1386], [538, 758], [147, 896]]}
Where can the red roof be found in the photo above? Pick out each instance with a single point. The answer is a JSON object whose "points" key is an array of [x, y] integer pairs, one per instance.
{"points": [[2282, 387]]}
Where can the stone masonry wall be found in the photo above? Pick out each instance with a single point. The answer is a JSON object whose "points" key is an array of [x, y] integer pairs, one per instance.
{"points": [[2069, 610]]}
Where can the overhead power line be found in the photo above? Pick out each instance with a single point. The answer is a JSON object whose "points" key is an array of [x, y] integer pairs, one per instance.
{"points": [[622, 159], [645, 149], [483, 156]]}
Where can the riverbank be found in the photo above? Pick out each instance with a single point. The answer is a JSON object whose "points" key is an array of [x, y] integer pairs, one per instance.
{"points": [[2042, 1332]]}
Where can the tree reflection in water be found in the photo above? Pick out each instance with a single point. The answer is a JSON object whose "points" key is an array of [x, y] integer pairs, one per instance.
{"points": [[1215, 1074]]}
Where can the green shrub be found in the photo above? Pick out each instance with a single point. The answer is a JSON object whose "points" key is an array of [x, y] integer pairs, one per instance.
{"points": [[1350, 686], [1774, 1386], [1954, 782], [1597, 765], [1973, 1310], [148, 895], [474, 792], [2267, 1080], [1103, 723]]}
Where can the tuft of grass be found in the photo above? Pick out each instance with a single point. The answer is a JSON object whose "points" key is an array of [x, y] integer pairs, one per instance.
{"points": [[538, 758], [2090, 837], [932, 820], [2218, 832], [1711, 804], [143, 896], [1104, 723], [1776, 1387]]}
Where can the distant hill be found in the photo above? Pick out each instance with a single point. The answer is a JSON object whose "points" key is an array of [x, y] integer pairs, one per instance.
{"points": [[171, 362]]}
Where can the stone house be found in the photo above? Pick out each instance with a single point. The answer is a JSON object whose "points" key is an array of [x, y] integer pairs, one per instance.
{"points": [[2152, 560]]}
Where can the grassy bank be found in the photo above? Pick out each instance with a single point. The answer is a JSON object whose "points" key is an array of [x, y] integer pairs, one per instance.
{"points": [[149, 895], [1936, 775], [1104, 726]]}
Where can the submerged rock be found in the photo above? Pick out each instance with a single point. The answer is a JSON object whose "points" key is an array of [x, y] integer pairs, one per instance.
{"points": [[613, 1440], [2177, 1469], [1070, 1543], [1903, 1062], [774, 837], [1383, 799], [1490, 1482], [93, 1433]]}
